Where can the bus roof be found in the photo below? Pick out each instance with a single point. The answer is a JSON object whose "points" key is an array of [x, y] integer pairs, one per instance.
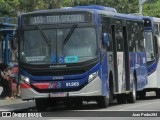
{"points": [[149, 17], [128, 17], [108, 11], [76, 8], [153, 19], [97, 7], [56, 10], [156, 20], [120, 15]]}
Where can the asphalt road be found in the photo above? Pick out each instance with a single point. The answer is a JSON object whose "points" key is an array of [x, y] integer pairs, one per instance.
{"points": [[148, 109], [148, 104], [141, 109]]}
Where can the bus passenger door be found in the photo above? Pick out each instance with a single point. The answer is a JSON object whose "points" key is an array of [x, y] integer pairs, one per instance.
{"points": [[126, 59], [120, 56], [120, 49], [115, 68]]}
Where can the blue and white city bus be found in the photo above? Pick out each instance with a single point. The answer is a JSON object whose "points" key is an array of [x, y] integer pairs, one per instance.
{"points": [[152, 40], [81, 54]]}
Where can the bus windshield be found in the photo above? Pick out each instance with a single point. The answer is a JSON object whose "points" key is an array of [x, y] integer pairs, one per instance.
{"points": [[80, 46], [149, 45]]}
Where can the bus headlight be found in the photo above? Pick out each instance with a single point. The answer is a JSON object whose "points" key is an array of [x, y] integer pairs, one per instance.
{"points": [[25, 79], [92, 76]]}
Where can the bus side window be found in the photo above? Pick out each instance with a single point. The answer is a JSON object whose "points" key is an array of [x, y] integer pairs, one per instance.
{"points": [[119, 38], [156, 29], [138, 39], [156, 45], [140, 45], [106, 29], [100, 35], [159, 29], [131, 36]]}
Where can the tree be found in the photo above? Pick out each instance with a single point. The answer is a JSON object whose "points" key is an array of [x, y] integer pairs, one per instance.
{"points": [[152, 8], [124, 6], [15, 7]]}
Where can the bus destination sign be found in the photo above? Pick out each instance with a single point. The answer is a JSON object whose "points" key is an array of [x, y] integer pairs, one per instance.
{"points": [[56, 18]]}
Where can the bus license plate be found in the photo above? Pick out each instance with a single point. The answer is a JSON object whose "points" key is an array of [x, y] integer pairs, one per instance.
{"points": [[58, 94]]}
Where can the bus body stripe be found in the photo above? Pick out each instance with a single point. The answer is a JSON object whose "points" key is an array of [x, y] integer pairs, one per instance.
{"points": [[42, 85], [24, 85]]}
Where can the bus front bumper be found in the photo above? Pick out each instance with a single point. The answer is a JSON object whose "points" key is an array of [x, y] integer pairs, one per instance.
{"points": [[94, 88]]}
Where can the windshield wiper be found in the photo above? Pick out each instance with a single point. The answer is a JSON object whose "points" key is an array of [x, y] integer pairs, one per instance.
{"points": [[44, 36], [69, 34]]}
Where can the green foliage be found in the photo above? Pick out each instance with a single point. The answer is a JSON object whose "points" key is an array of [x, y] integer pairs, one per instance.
{"points": [[15, 7], [124, 6], [152, 8]]}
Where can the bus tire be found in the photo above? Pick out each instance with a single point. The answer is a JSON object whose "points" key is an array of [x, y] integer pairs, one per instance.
{"points": [[158, 93], [111, 96], [41, 104], [131, 97], [78, 103], [103, 101], [68, 103], [111, 89], [141, 95], [121, 98]]}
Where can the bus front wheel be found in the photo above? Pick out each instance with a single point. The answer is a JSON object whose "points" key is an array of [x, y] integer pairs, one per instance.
{"points": [[103, 101], [141, 95], [158, 93]]}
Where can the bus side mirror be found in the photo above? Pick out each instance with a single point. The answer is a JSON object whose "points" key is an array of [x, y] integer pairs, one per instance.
{"points": [[105, 38]]}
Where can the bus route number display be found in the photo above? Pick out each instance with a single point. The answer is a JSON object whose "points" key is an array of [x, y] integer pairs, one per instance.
{"points": [[51, 19]]}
